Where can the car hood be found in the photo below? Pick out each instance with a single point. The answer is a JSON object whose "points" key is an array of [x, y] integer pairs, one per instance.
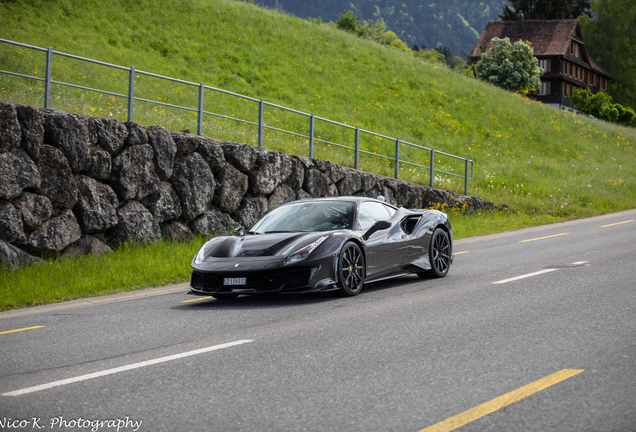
{"points": [[260, 245]]}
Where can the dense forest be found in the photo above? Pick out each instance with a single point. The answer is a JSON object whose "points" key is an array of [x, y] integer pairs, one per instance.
{"points": [[456, 24]]}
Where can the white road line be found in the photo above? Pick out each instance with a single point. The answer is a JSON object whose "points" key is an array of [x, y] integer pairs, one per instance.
{"points": [[524, 276], [122, 369]]}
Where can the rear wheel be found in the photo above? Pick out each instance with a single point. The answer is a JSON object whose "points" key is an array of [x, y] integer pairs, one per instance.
{"points": [[439, 254], [350, 270]]}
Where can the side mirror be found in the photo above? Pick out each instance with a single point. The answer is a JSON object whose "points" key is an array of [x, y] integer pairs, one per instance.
{"points": [[378, 226], [240, 231]]}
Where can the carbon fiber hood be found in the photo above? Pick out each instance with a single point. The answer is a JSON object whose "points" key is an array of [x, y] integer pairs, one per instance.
{"points": [[261, 245]]}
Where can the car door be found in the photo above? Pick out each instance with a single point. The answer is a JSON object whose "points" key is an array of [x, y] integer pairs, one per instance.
{"points": [[385, 251]]}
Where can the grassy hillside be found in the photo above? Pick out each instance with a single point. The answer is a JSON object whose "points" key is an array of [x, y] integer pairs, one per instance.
{"points": [[545, 164]]}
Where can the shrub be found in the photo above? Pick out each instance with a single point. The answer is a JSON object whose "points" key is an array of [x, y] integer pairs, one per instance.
{"points": [[512, 67], [600, 106], [348, 22]]}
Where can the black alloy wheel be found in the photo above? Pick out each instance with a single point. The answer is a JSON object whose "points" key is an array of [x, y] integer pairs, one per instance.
{"points": [[439, 254], [351, 270]]}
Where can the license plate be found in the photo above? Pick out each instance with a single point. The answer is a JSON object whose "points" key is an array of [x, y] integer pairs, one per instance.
{"points": [[234, 281]]}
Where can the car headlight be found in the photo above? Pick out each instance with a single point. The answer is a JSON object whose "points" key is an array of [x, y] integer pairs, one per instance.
{"points": [[200, 256], [303, 253]]}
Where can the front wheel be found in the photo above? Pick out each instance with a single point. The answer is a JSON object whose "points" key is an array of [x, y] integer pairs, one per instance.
{"points": [[350, 270], [439, 254]]}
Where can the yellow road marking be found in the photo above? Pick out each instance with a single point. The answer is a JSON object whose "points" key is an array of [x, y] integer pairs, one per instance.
{"points": [[459, 253], [196, 299], [618, 223], [486, 408], [19, 330], [541, 238]]}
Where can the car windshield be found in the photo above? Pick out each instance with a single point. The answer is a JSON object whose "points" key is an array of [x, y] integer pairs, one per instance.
{"points": [[307, 217]]}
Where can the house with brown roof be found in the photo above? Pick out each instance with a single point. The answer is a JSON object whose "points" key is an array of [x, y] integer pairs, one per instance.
{"points": [[560, 49]]}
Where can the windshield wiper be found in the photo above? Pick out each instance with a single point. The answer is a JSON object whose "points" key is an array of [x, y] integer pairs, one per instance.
{"points": [[253, 232]]}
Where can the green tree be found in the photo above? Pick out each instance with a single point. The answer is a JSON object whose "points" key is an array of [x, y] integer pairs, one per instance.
{"points": [[610, 36], [348, 22], [431, 56], [512, 67], [600, 106], [545, 9], [378, 32]]}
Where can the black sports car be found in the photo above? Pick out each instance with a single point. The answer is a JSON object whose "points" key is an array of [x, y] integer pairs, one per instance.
{"points": [[324, 244]]}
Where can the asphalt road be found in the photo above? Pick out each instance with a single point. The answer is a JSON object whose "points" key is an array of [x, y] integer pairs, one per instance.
{"points": [[532, 330]]}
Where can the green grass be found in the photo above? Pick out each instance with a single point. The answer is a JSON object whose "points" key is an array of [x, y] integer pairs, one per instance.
{"points": [[546, 165], [130, 267]]}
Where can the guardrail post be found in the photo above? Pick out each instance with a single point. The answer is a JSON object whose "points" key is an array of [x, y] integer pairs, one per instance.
{"points": [[466, 177], [200, 119], [397, 158], [432, 168], [47, 81], [131, 93], [357, 155], [311, 135], [261, 107]]}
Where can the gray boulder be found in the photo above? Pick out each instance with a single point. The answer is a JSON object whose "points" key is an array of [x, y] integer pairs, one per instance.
{"points": [[334, 172], [194, 182], [350, 184], [12, 257], [96, 208], [164, 149], [316, 183], [85, 246], [69, 133], [100, 166], [32, 125], [186, 143], [111, 133], [135, 223], [301, 194], [333, 191], [242, 156], [136, 134], [10, 132], [213, 154], [283, 194], [133, 173], [213, 222], [11, 226], [55, 234], [232, 187], [17, 172], [163, 204], [369, 181], [297, 176], [176, 231], [57, 184], [36, 209], [274, 170], [251, 210]]}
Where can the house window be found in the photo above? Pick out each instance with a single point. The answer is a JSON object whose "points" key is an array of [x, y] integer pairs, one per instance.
{"points": [[574, 48], [545, 88], [545, 65]]}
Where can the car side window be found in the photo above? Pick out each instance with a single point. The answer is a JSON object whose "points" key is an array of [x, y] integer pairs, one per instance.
{"points": [[391, 210], [371, 212]]}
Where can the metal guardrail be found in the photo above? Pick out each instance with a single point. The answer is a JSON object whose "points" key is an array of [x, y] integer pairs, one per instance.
{"points": [[48, 81]]}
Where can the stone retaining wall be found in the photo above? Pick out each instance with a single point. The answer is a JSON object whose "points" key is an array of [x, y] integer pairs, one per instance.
{"points": [[75, 184]]}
